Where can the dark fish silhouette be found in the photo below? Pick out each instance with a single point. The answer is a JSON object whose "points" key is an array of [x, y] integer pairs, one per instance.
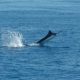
{"points": [[47, 37]]}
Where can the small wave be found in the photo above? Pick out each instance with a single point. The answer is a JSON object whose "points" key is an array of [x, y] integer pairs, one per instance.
{"points": [[12, 39]]}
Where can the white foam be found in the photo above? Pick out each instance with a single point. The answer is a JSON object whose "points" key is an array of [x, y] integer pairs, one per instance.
{"points": [[12, 39], [34, 44]]}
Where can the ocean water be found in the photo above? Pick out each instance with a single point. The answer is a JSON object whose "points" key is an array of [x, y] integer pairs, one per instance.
{"points": [[58, 59]]}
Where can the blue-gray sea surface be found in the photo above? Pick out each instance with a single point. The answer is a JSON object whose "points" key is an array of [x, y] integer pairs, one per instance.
{"points": [[58, 59]]}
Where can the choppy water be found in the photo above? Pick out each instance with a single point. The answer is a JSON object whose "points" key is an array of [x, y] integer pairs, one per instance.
{"points": [[59, 59]]}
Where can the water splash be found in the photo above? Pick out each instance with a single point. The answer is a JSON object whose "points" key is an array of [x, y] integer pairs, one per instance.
{"points": [[12, 39], [33, 44]]}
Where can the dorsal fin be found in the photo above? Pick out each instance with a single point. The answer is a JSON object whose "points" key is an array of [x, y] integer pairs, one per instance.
{"points": [[50, 32]]}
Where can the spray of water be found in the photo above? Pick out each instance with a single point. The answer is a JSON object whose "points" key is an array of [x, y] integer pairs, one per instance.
{"points": [[12, 39]]}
